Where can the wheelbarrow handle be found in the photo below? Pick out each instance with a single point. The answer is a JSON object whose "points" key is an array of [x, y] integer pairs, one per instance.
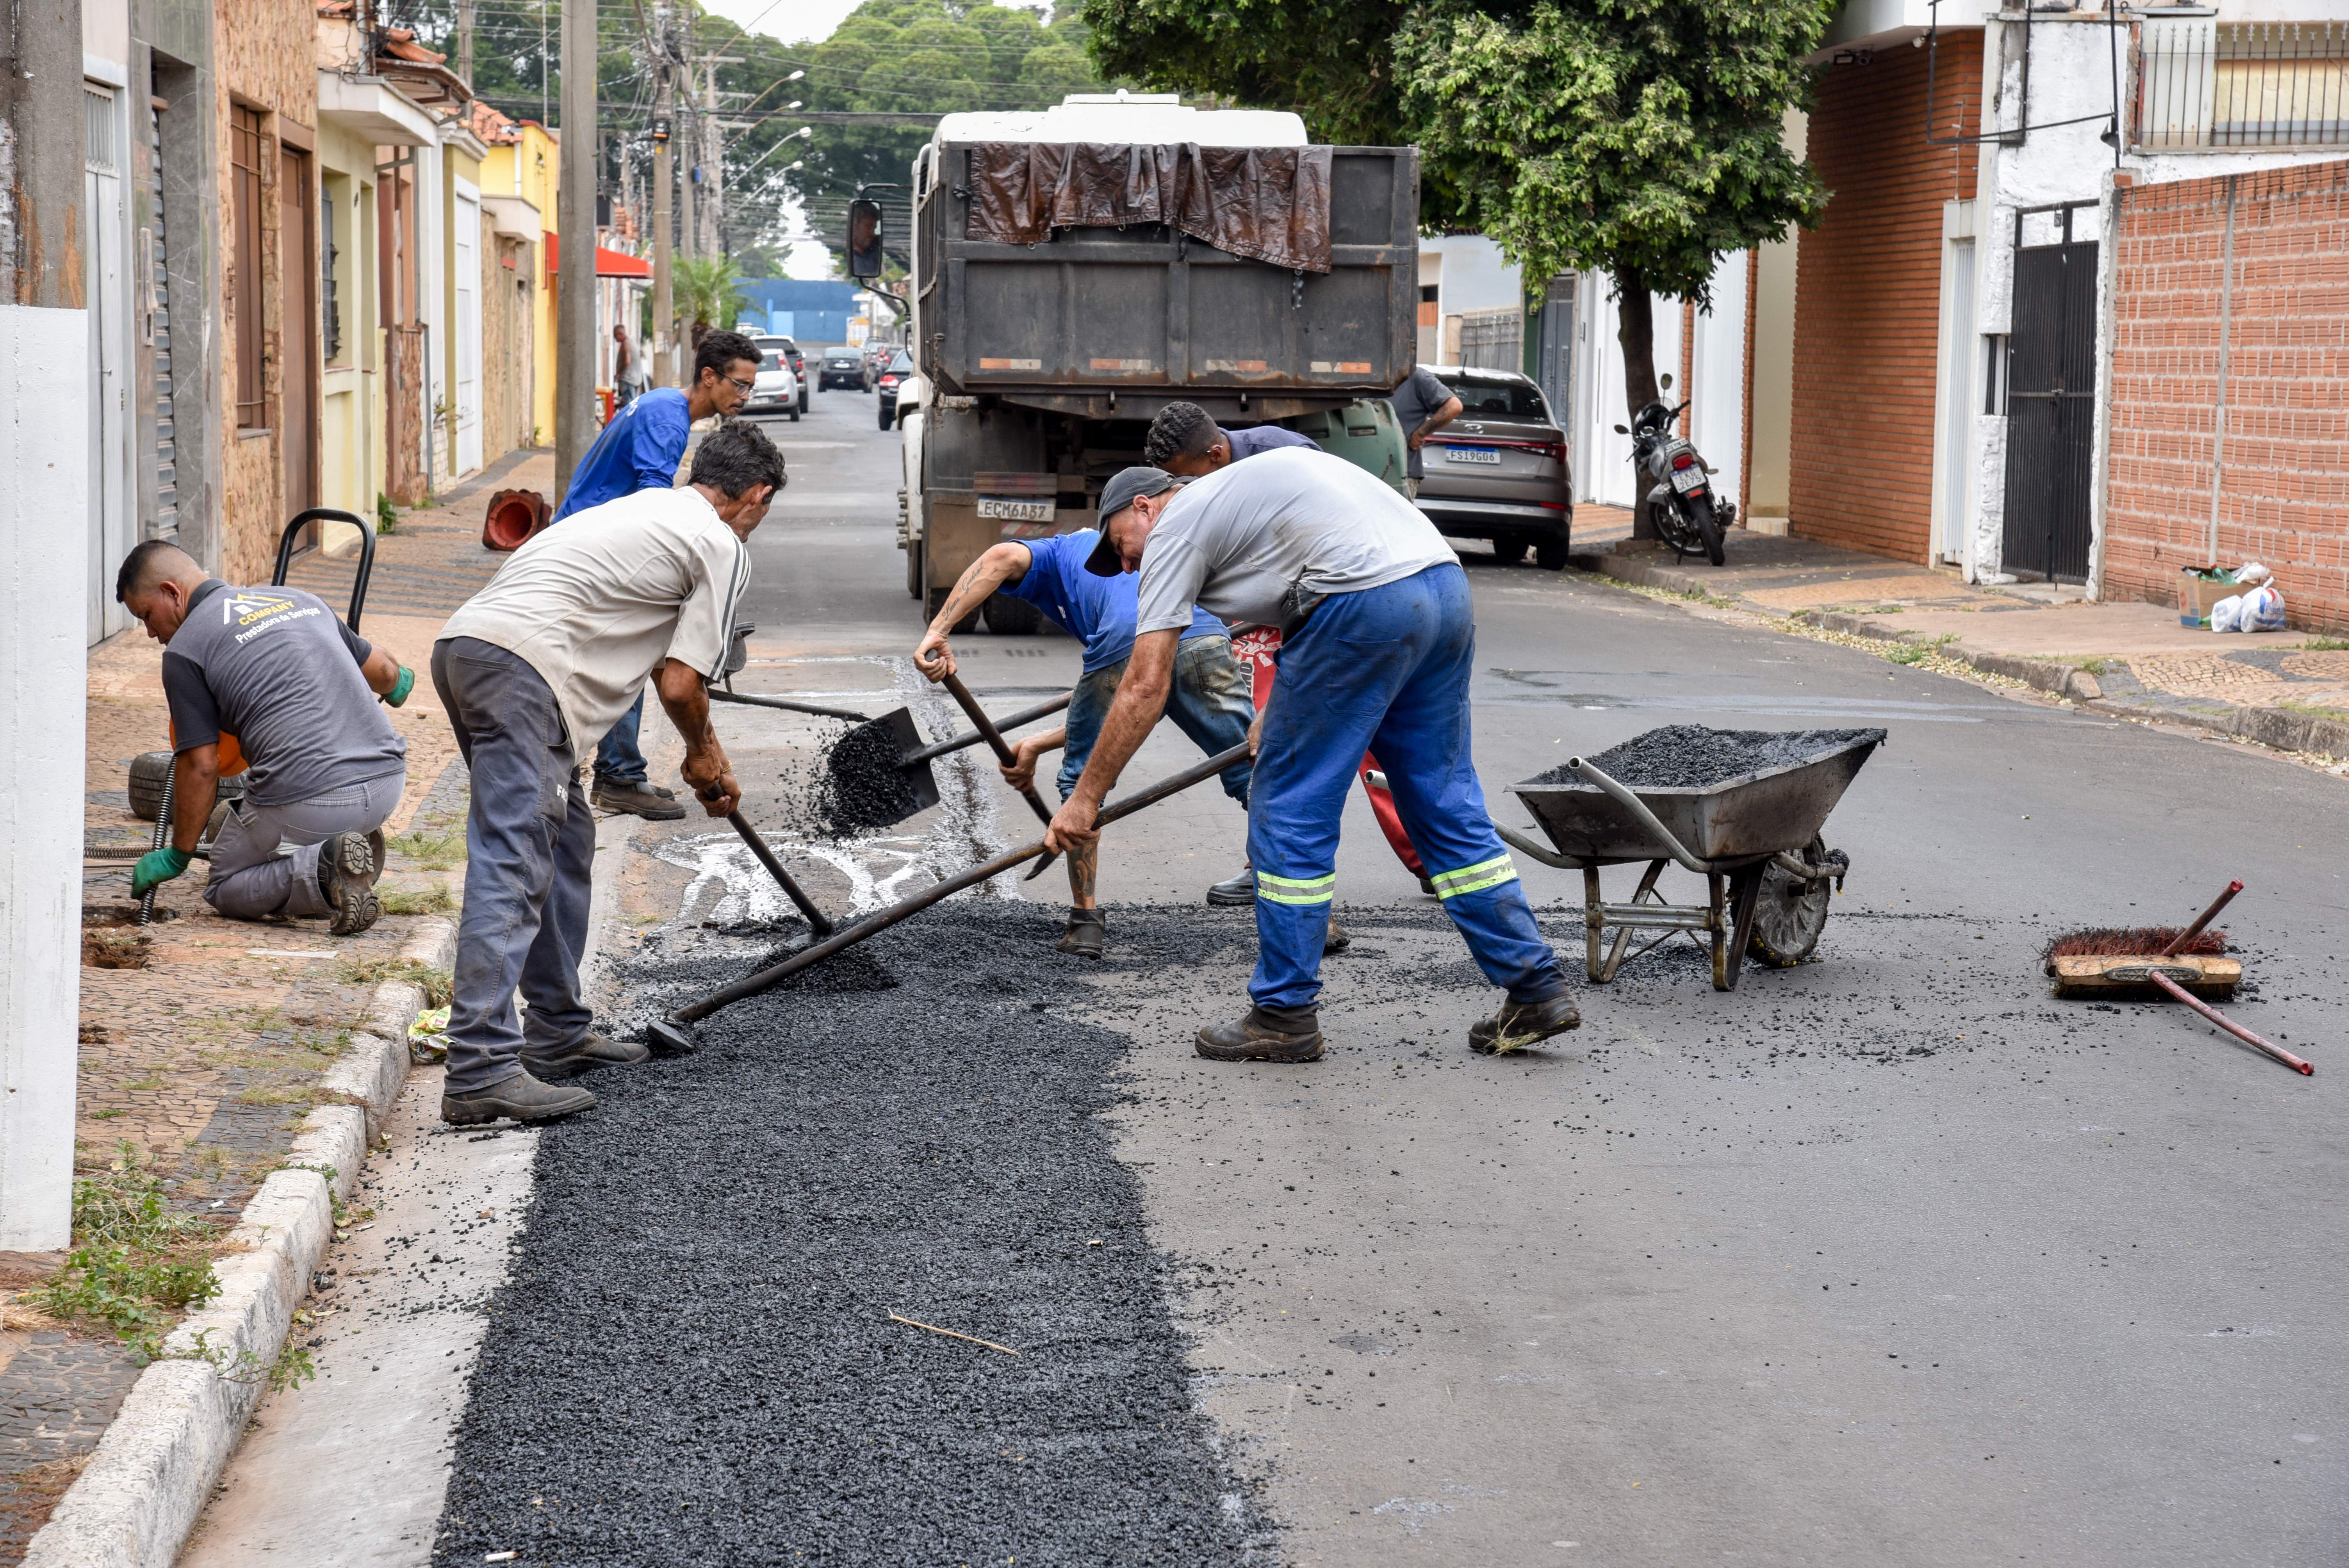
{"points": [[848, 936], [1639, 809]]}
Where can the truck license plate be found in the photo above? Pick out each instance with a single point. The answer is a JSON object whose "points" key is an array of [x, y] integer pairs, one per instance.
{"points": [[1688, 480], [1016, 511], [1472, 454]]}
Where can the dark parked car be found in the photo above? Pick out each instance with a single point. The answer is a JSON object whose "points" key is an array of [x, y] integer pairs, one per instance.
{"points": [[771, 344], [1498, 471], [899, 370], [843, 368]]}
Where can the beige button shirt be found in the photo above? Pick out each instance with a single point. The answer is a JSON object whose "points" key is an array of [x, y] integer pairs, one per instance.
{"points": [[596, 602]]}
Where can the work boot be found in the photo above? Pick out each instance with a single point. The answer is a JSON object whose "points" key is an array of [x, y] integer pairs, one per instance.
{"points": [[1084, 935], [1337, 939], [1240, 890], [592, 1052], [1427, 886], [346, 873], [636, 800], [1265, 1035], [1519, 1024], [521, 1098]]}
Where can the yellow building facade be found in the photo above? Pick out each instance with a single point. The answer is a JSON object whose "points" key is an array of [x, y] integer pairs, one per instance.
{"points": [[527, 170]]}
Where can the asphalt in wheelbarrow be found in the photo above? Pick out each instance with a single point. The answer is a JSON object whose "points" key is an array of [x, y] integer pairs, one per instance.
{"points": [[1694, 756]]}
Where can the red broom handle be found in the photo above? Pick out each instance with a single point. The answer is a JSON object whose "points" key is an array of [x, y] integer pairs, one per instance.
{"points": [[2179, 993], [2178, 943]]}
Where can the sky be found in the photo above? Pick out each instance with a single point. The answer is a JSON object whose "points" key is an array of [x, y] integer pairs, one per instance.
{"points": [[792, 21]]}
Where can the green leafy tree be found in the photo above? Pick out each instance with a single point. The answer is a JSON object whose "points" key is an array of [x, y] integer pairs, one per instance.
{"points": [[709, 293], [1639, 138]]}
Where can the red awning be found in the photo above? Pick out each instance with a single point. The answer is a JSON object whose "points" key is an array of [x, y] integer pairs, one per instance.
{"points": [[610, 263]]}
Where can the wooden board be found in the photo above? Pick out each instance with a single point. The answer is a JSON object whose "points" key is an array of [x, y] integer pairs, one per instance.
{"points": [[2204, 976]]}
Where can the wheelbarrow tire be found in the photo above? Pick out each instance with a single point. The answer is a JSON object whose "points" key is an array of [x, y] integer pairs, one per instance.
{"points": [[148, 770], [1788, 918]]}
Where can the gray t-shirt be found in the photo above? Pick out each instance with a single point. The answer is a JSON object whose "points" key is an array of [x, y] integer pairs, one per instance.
{"points": [[1236, 541], [1422, 393], [277, 669]]}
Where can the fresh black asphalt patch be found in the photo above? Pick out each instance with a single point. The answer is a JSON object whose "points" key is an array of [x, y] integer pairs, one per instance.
{"points": [[694, 1360]]}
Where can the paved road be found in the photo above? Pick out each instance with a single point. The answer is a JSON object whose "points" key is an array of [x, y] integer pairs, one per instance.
{"points": [[1888, 1259]]}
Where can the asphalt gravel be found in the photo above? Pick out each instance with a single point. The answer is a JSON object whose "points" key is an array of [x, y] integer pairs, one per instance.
{"points": [[864, 789], [1692, 755], [694, 1360]]}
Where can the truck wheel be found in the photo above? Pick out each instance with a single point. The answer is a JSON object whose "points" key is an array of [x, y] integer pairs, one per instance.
{"points": [[914, 569], [1509, 552], [884, 417], [1009, 615], [937, 602], [1550, 554]]}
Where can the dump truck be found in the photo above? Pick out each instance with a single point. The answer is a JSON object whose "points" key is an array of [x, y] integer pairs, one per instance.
{"points": [[1075, 270]]}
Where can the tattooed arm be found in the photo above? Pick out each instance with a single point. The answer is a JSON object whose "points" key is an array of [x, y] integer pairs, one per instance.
{"points": [[1006, 562]]}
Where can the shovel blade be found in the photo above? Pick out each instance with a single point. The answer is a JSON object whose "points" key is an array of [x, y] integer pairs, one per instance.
{"points": [[670, 1038], [918, 776]]}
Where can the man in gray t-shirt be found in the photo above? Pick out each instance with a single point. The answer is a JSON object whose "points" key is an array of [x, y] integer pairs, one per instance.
{"points": [[1423, 404], [274, 677], [1377, 644]]}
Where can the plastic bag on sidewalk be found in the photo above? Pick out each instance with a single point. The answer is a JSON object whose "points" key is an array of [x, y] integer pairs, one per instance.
{"points": [[2263, 609], [2227, 614]]}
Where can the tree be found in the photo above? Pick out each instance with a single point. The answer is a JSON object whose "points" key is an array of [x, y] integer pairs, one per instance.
{"points": [[1641, 137], [709, 293]]}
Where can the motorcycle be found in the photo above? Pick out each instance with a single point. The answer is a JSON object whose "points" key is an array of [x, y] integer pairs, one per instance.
{"points": [[1687, 512]]}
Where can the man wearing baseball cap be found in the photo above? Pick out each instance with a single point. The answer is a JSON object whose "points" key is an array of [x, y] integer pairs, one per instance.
{"points": [[1378, 644]]}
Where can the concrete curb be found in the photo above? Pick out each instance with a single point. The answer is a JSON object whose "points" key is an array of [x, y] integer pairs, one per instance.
{"points": [[2278, 728], [150, 1474]]}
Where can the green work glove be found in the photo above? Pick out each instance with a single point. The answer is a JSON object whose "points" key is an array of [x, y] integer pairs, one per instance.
{"points": [[401, 688], [156, 867]]}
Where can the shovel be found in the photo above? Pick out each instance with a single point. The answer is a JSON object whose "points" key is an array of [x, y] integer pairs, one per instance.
{"points": [[818, 921], [674, 1034]]}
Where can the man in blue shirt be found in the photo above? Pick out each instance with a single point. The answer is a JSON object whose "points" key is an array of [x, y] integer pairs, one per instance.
{"points": [[1185, 442], [1208, 700], [641, 449]]}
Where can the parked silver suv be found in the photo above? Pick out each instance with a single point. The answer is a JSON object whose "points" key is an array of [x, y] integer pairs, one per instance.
{"points": [[1499, 470]]}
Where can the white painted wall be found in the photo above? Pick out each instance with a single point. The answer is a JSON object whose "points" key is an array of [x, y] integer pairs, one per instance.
{"points": [[44, 441], [1717, 378], [1602, 460], [1471, 275]]}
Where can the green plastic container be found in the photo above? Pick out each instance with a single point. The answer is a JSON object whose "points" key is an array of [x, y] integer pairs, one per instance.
{"points": [[1365, 433]]}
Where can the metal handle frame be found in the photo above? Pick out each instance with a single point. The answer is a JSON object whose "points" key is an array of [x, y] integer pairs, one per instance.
{"points": [[367, 554]]}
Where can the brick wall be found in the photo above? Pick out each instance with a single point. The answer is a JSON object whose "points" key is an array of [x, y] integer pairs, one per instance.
{"points": [[1868, 292], [2283, 491]]}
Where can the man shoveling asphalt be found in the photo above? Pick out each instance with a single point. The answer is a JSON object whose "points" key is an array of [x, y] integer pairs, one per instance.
{"points": [[276, 669], [639, 451], [533, 669], [1207, 701], [1378, 642]]}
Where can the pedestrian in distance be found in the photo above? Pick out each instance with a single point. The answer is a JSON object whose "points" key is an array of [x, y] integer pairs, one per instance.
{"points": [[641, 449], [269, 680], [1207, 699], [533, 670], [1186, 442], [627, 368], [1423, 404], [1379, 642]]}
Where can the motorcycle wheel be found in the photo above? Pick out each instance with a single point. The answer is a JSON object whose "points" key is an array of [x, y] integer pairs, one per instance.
{"points": [[1699, 511]]}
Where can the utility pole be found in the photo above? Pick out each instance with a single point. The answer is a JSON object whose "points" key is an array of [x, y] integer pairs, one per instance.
{"points": [[465, 40], [713, 163], [687, 235], [574, 221], [664, 367]]}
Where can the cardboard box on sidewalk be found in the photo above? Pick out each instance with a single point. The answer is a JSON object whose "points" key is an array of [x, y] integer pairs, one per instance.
{"points": [[2199, 588]]}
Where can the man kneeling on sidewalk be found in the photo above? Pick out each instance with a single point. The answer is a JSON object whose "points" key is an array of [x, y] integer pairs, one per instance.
{"points": [[533, 669], [276, 670]]}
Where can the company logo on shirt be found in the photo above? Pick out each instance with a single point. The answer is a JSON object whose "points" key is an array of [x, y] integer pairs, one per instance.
{"points": [[259, 612]]}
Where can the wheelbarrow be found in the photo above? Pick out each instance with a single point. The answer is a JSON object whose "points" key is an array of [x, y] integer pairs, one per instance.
{"points": [[1756, 839]]}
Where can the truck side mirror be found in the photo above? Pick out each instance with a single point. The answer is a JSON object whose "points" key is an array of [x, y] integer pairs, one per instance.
{"points": [[863, 239]]}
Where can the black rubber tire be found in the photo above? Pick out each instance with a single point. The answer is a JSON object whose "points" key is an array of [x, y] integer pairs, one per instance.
{"points": [[1509, 552], [795, 413], [1708, 527], [914, 569], [1786, 920], [148, 770], [1550, 554], [1010, 616], [886, 414]]}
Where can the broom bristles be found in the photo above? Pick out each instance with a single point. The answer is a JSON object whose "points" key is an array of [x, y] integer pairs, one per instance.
{"points": [[2131, 942]]}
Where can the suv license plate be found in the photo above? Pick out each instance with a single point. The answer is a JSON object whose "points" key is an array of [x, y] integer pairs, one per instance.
{"points": [[1472, 454], [1688, 480], [1016, 511]]}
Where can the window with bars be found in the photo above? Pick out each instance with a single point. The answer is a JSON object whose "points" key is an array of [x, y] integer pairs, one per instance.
{"points": [[330, 302], [245, 143], [2202, 83]]}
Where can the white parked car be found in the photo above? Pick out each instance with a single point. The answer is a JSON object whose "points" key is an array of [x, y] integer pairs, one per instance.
{"points": [[775, 390]]}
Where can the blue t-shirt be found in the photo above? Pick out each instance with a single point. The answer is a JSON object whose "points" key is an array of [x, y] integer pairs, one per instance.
{"points": [[1264, 439], [1099, 611], [639, 450]]}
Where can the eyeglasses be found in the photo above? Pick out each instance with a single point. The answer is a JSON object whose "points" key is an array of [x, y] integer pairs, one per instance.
{"points": [[744, 388]]}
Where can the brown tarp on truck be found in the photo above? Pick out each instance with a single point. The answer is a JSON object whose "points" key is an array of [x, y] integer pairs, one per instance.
{"points": [[1270, 203]]}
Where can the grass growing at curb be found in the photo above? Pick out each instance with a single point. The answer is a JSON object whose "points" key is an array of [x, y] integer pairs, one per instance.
{"points": [[136, 1263], [434, 900], [2325, 645], [439, 985], [431, 851]]}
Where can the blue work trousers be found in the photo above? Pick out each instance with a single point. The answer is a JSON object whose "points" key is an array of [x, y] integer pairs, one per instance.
{"points": [[1385, 670], [617, 757], [530, 847], [1208, 701]]}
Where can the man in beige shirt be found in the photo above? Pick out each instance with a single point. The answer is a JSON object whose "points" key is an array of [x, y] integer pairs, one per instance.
{"points": [[533, 669]]}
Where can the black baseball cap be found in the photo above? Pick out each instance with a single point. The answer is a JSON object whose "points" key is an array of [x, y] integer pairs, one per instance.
{"points": [[1117, 495]]}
